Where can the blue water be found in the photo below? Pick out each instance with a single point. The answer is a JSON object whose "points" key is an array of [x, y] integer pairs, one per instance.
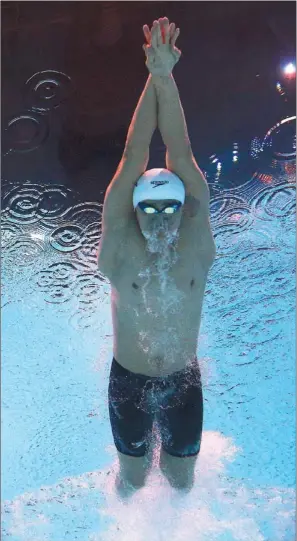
{"points": [[58, 458]]}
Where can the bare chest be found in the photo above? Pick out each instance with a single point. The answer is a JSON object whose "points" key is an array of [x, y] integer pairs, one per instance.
{"points": [[156, 309], [160, 284]]}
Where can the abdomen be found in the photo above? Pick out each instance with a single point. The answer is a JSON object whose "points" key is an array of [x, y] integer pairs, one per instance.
{"points": [[153, 344]]}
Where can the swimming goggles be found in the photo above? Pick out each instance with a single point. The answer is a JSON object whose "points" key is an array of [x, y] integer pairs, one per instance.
{"points": [[169, 209]]}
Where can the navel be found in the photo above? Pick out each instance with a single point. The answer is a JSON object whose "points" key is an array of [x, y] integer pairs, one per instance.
{"points": [[192, 282], [135, 286]]}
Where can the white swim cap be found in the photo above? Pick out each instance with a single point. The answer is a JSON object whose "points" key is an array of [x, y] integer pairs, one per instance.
{"points": [[158, 184]]}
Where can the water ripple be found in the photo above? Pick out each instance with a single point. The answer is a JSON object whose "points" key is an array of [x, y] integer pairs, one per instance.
{"points": [[85, 214], [8, 233], [57, 282], [89, 248], [24, 132], [221, 207], [22, 204], [31, 203], [45, 90], [55, 203], [85, 319], [87, 287], [66, 238], [48, 220], [22, 252], [63, 280], [274, 202]]}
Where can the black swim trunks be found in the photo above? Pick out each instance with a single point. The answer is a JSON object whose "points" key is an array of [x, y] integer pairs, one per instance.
{"points": [[174, 401]]}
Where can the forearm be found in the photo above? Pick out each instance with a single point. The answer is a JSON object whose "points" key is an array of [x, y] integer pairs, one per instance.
{"points": [[144, 120], [171, 118]]}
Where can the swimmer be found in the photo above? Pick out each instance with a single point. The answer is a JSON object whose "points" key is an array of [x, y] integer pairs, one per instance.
{"points": [[151, 217]]}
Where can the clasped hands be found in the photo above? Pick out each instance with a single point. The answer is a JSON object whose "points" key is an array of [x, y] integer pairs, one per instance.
{"points": [[160, 50]]}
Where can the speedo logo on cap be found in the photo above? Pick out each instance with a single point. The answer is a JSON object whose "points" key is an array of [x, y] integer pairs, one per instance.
{"points": [[157, 183]]}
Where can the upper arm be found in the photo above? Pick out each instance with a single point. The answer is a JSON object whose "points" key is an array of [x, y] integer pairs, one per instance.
{"points": [[118, 206], [196, 215], [186, 168], [118, 201]]}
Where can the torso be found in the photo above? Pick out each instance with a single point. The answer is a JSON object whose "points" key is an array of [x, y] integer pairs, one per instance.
{"points": [[156, 324]]}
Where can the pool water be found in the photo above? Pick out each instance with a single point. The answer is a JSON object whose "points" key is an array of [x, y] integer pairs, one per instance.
{"points": [[58, 458]]}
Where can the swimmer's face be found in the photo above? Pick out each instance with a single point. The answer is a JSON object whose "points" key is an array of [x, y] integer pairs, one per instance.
{"points": [[162, 228]]}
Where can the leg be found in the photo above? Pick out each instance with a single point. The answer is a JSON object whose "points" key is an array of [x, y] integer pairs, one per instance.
{"points": [[178, 470], [131, 426], [133, 470], [180, 422]]}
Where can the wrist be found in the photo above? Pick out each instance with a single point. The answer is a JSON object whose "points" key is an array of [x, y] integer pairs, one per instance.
{"points": [[161, 81]]}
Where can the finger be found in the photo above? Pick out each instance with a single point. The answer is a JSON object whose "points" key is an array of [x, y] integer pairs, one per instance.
{"points": [[171, 30], [154, 39], [159, 34], [176, 34], [166, 36], [147, 33], [162, 29]]}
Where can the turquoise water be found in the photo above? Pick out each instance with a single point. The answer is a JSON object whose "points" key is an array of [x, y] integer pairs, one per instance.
{"points": [[58, 457]]}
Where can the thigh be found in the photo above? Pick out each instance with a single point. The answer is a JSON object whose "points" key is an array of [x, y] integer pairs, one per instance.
{"points": [[181, 415], [131, 423]]}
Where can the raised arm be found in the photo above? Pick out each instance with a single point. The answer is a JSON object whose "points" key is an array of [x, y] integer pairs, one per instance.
{"points": [[144, 120], [118, 202], [143, 124], [171, 118], [173, 128]]}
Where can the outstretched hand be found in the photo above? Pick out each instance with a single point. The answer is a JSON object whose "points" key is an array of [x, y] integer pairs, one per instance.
{"points": [[160, 50]]}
